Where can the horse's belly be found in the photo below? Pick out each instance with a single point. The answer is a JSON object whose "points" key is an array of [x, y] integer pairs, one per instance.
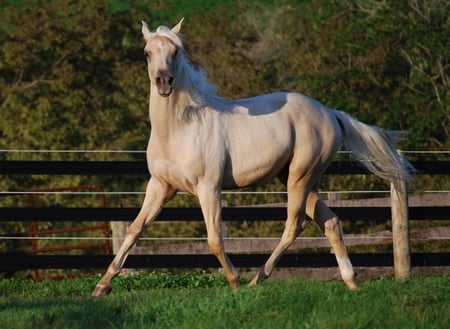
{"points": [[258, 151], [254, 167]]}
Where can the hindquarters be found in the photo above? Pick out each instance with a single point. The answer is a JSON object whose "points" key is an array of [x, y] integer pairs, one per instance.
{"points": [[317, 138]]}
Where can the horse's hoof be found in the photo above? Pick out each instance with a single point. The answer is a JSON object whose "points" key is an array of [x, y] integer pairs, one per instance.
{"points": [[352, 286], [258, 278], [351, 283], [101, 290], [234, 287], [255, 282]]}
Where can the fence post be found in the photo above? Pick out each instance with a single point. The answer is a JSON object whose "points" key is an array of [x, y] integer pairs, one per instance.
{"points": [[119, 230], [400, 230]]}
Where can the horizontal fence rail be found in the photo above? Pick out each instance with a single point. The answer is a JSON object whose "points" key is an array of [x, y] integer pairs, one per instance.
{"points": [[140, 168], [195, 214], [16, 262]]}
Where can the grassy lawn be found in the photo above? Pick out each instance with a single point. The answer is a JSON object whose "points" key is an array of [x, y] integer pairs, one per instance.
{"points": [[205, 301]]}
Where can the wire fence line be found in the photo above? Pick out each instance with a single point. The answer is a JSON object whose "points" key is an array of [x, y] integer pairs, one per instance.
{"points": [[143, 151], [71, 151], [143, 192], [62, 238], [7, 193]]}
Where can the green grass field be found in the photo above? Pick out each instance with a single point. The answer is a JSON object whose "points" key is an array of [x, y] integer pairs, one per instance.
{"points": [[205, 301]]}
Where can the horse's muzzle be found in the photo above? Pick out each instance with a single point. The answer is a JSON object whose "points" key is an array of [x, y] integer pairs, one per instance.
{"points": [[164, 84]]}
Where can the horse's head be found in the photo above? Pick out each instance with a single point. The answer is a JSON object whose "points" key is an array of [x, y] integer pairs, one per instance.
{"points": [[161, 51]]}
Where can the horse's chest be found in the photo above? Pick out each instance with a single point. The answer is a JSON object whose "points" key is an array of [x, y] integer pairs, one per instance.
{"points": [[174, 174], [176, 165]]}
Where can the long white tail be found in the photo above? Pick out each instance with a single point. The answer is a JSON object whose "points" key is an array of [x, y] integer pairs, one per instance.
{"points": [[374, 148]]}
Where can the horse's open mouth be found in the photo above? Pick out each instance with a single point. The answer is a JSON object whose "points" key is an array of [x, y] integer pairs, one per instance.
{"points": [[165, 92]]}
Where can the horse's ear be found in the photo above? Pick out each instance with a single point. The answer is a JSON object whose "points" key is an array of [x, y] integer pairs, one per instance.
{"points": [[177, 28], [146, 30]]}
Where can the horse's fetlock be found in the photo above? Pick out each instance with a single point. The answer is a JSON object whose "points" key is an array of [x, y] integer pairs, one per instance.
{"points": [[234, 282]]}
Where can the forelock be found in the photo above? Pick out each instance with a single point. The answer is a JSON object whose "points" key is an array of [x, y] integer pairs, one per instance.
{"points": [[166, 32]]}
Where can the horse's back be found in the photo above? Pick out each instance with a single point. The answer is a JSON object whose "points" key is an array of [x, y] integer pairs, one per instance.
{"points": [[286, 117]]}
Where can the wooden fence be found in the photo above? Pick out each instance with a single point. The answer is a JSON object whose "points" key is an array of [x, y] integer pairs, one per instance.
{"points": [[12, 262]]}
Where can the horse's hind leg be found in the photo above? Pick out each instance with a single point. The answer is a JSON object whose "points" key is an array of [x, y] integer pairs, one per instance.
{"points": [[157, 194], [317, 210], [295, 223]]}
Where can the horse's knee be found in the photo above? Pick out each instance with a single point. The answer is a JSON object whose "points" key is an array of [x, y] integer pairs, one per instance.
{"points": [[135, 228], [215, 246]]}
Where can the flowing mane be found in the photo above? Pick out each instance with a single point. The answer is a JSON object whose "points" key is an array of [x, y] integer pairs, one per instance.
{"points": [[194, 91]]}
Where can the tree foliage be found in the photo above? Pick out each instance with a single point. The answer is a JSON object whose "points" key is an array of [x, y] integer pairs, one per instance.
{"points": [[72, 75]]}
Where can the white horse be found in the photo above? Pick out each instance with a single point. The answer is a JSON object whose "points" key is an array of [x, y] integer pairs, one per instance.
{"points": [[201, 144]]}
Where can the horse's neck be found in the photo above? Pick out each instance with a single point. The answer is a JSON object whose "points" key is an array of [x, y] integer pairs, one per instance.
{"points": [[162, 114]]}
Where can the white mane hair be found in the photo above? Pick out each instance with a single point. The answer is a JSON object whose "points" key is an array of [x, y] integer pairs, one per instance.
{"points": [[192, 89]]}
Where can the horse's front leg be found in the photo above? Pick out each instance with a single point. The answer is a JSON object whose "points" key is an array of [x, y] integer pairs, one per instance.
{"points": [[157, 194], [209, 198]]}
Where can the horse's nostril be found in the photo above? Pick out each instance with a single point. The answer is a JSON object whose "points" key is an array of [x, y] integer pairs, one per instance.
{"points": [[170, 81], [158, 80]]}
